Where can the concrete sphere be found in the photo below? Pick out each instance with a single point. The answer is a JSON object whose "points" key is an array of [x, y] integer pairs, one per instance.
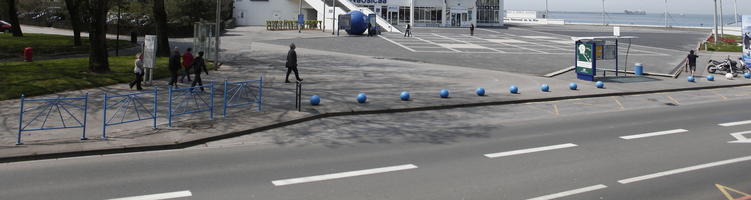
{"points": [[691, 79], [545, 88], [315, 100], [404, 96], [747, 75], [573, 86], [359, 23], [513, 89], [729, 76], [710, 78], [444, 93], [600, 84], [480, 91], [361, 98]]}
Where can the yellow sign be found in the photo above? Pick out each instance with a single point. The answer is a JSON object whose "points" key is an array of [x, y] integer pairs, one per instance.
{"points": [[727, 190]]}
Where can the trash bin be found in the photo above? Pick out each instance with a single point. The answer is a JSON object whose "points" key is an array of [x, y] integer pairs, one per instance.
{"points": [[639, 69]]}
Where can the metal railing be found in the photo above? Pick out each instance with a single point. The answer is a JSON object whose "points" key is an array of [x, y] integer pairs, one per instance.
{"points": [[191, 100], [242, 93], [133, 102], [63, 106]]}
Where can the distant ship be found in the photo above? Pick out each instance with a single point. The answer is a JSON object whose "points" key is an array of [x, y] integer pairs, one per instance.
{"points": [[635, 12]]}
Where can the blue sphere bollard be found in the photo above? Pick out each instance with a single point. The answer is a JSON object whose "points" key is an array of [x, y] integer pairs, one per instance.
{"points": [[600, 84], [480, 91], [315, 100], [444, 93], [513, 89], [545, 88], [747, 75], [691, 79], [361, 98], [404, 96], [710, 78], [573, 86]]}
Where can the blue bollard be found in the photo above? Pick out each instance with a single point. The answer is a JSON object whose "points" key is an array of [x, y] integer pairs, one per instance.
{"points": [[315, 100], [513, 89], [480, 91], [444, 93], [638, 69], [361, 98], [572, 86], [691, 79], [404, 96], [710, 78], [600, 84], [545, 88], [747, 75]]}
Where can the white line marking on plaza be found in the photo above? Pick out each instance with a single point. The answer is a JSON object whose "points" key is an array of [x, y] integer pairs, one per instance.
{"points": [[531, 150], [342, 175], [396, 43], [629, 137], [570, 192], [168, 195], [740, 138], [735, 123], [685, 169], [431, 42]]}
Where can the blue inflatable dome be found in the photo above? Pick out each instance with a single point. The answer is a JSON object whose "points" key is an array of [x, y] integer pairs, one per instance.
{"points": [[359, 23]]}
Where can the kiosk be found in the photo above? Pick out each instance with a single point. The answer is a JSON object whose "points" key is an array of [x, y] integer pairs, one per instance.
{"points": [[592, 53]]}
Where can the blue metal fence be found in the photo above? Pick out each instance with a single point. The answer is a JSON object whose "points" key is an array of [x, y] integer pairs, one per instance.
{"points": [[66, 107], [243, 93], [133, 102], [185, 101]]}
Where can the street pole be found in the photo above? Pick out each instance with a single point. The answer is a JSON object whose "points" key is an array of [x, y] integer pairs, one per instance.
{"points": [[716, 30], [547, 11], [323, 22], [666, 14], [218, 33], [117, 41], [333, 21], [737, 21], [603, 13], [412, 13], [722, 20]]}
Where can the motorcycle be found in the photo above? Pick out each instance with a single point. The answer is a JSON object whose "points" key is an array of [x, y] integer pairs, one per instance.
{"points": [[727, 66]]}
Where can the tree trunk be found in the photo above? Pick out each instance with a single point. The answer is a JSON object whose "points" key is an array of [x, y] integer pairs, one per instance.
{"points": [[98, 58], [75, 20], [160, 16], [13, 16]]}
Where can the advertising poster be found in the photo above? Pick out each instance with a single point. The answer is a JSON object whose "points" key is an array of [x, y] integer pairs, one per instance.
{"points": [[747, 39], [584, 59]]}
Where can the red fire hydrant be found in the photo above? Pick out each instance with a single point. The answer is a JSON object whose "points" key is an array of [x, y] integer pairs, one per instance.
{"points": [[28, 54]]}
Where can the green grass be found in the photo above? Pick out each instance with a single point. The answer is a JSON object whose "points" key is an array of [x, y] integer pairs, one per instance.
{"points": [[46, 45], [52, 76], [724, 46]]}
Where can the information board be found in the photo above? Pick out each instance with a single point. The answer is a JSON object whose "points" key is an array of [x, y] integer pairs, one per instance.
{"points": [[586, 63], [345, 21], [149, 51]]}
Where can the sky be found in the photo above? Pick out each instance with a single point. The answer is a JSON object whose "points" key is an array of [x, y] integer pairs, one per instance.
{"points": [[651, 6]]}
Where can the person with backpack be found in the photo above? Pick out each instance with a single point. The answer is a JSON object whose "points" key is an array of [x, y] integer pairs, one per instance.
{"points": [[691, 62], [408, 31], [199, 65], [174, 67]]}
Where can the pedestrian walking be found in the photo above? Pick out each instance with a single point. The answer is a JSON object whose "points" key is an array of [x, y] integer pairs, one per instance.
{"points": [[370, 29], [187, 64], [174, 67], [138, 72], [199, 65], [408, 31], [292, 63], [691, 62], [472, 29]]}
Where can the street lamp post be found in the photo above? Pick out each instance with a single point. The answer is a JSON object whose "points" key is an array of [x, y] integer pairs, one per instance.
{"points": [[716, 31], [218, 33], [333, 20], [722, 20], [117, 40]]}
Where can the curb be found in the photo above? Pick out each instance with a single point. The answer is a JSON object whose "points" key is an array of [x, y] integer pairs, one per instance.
{"points": [[335, 114]]}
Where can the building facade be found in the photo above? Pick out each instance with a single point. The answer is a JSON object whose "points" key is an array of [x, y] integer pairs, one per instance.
{"points": [[437, 13]]}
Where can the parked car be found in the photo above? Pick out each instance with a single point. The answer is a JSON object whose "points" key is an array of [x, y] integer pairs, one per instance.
{"points": [[4, 26]]}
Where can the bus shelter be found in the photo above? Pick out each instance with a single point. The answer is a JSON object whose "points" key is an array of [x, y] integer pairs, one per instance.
{"points": [[593, 53]]}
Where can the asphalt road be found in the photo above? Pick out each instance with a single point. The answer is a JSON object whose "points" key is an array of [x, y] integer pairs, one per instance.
{"points": [[593, 156]]}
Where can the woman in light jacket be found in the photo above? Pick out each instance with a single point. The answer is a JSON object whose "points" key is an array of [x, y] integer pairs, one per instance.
{"points": [[138, 71]]}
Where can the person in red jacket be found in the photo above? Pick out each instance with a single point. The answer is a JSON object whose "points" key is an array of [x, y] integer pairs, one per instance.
{"points": [[187, 64]]}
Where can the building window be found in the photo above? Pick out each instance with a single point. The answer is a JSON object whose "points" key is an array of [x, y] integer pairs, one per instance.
{"points": [[488, 11], [404, 14], [428, 15]]}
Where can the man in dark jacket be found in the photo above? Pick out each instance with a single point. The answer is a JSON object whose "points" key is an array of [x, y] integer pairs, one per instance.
{"points": [[199, 65], [691, 62], [471, 29], [174, 67], [292, 63]]}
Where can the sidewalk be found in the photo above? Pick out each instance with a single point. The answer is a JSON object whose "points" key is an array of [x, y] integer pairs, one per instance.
{"points": [[336, 77]]}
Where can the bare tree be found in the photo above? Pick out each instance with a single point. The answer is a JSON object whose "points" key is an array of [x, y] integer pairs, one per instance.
{"points": [[75, 19], [160, 16], [13, 16], [98, 57]]}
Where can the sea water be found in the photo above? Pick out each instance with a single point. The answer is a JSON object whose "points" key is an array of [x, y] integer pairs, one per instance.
{"points": [[690, 20]]}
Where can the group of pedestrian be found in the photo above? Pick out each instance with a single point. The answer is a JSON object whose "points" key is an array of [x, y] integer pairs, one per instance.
{"points": [[186, 62]]}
